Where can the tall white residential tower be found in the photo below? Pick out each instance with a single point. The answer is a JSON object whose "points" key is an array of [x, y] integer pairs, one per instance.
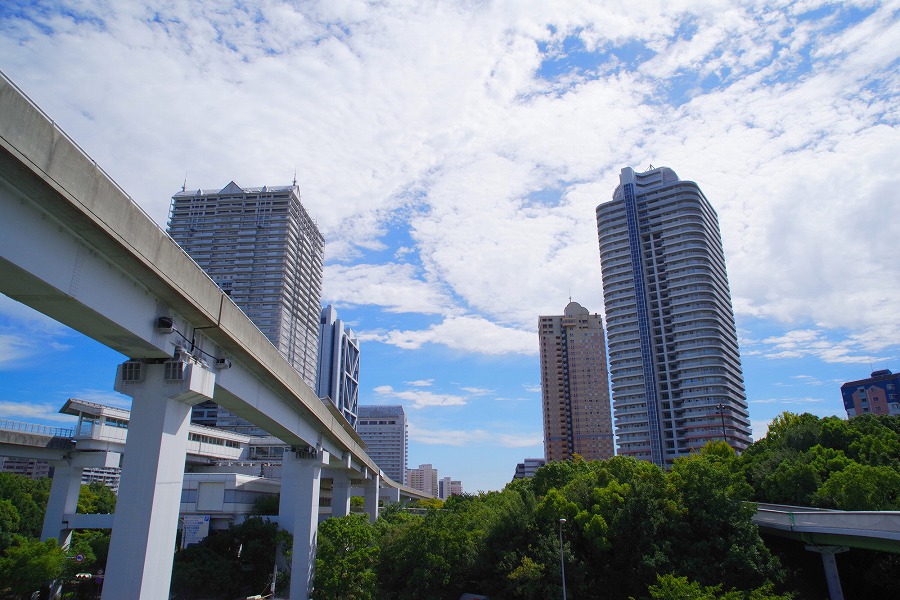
{"points": [[676, 370]]}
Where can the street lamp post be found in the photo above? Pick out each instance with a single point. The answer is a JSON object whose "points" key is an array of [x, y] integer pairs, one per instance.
{"points": [[562, 561], [721, 408]]}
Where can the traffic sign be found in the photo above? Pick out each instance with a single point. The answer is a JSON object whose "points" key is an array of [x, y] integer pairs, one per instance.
{"points": [[79, 557]]}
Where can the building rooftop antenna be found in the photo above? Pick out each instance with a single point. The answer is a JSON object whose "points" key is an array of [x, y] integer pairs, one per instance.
{"points": [[184, 185]]}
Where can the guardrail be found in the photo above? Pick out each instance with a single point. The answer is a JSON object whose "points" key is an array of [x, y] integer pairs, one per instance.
{"points": [[21, 427]]}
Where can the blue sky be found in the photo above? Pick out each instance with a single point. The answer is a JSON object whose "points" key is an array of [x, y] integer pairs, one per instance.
{"points": [[453, 155]]}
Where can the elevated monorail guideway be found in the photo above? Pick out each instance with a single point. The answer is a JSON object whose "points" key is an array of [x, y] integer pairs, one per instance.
{"points": [[76, 247]]}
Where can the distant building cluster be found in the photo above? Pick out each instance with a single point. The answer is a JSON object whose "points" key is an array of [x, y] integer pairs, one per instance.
{"points": [[425, 479]]}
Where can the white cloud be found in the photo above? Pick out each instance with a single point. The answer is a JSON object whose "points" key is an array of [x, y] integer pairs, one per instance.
{"points": [[420, 398], [788, 401], [802, 343], [104, 397], [468, 334], [469, 437], [421, 383], [478, 391], [430, 118], [14, 349], [394, 287], [29, 412], [760, 428]]}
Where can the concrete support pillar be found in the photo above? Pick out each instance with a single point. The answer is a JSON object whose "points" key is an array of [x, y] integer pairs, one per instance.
{"points": [[832, 577], [340, 494], [301, 474], [142, 546], [391, 494], [370, 496], [64, 492]]}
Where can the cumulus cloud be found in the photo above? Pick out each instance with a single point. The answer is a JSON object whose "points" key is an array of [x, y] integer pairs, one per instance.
{"points": [[14, 349], [393, 287], [421, 383], [470, 129], [800, 343], [468, 334], [468, 437], [478, 391], [789, 401], [104, 397], [419, 398], [29, 412]]}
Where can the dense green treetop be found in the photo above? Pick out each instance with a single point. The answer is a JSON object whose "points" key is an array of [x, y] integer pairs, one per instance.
{"points": [[827, 462]]}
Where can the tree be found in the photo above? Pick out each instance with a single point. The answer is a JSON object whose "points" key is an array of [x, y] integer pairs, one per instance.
{"points": [[28, 563], [228, 563], [346, 556], [96, 499], [29, 498], [268, 504], [672, 587], [861, 487], [718, 542]]}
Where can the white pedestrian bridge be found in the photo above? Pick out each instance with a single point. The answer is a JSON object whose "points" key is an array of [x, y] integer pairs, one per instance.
{"points": [[75, 247]]}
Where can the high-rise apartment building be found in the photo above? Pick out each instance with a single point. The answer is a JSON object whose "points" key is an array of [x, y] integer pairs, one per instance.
{"points": [[424, 479], [575, 385], [262, 249], [384, 431], [338, 365], [878, 394], [673, 352]]}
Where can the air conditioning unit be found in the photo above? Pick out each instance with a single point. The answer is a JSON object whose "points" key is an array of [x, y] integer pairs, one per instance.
{"points": [[174, 370], [132, 371]]}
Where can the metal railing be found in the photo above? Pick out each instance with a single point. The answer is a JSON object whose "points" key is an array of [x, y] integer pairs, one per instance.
{"points": [[18, 426]]}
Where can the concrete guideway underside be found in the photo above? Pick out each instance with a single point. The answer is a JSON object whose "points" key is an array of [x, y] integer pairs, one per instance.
{"points": [[76, 247]]}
